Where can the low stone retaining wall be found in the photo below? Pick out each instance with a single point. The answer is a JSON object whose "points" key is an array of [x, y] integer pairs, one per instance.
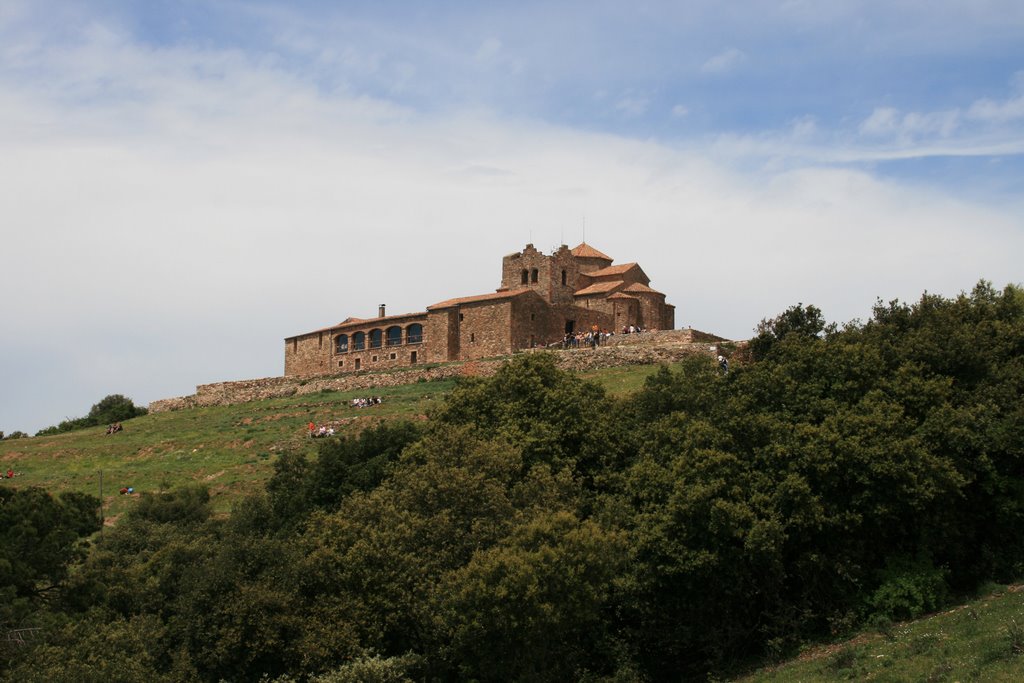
{"points": [[634, 349]]}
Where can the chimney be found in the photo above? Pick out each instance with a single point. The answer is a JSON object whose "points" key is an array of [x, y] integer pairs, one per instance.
{"points": [[380, 311]]}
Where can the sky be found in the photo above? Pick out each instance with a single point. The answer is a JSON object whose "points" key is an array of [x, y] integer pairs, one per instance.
{"points": [[183, 184]]}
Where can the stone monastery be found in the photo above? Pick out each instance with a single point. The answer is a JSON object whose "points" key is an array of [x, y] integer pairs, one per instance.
{"points": [[541, 298]]}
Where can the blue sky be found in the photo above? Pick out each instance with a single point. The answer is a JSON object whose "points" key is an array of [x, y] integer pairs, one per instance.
{"points": [[187, 183]]}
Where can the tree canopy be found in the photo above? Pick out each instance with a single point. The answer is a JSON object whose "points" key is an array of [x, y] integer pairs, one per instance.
{"points": [[536, 529]]}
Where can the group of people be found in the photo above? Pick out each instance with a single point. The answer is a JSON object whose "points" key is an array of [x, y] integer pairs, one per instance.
{"points": [[127, 490], [632, 329], [115, 428], [366, 402], [321, 431], [593, 339]]}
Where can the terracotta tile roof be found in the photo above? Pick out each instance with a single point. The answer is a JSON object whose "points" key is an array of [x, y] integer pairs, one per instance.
{"points": [[620, 295], [599, 288], [637, 287], [612, 270], [584, 250], [493, 296]]}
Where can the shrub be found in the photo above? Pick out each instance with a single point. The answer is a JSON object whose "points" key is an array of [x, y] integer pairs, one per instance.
{"points": [[909, 589]]}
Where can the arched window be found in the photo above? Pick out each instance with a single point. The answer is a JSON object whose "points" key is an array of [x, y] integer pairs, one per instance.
{"points": [[358, 341], [563, 278], [341, 343], [393, 336], [414, 334], [533, 275], [526, 276], [376, 336]]}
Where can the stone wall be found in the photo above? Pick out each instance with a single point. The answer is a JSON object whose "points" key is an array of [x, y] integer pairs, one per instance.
{"points": [[632, 349], [484, 329]]}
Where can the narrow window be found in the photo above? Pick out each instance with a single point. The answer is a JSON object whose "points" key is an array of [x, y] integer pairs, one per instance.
{"points": [[341, 363], [295, 345], [526, 276], [563, 278], [533, 316], [321, 340], [533, 275], [472, 336], [357, 363], [412, 358], [461, 317]]}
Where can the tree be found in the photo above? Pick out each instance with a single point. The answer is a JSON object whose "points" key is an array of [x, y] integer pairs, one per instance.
{"points": [[110, 409], [801, 321]]}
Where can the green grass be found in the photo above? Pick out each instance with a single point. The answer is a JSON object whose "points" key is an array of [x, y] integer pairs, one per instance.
{"points": [[980, 641], [229, 448]]}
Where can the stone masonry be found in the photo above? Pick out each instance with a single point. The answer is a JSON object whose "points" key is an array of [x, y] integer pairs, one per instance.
{"points": [[541, 298], [633, 349]]}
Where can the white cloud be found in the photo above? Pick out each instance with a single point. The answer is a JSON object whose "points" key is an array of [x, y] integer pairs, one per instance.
{"points": [[631, 105], [488, 50], [887, 121], [997, 112], [679, 111], [804, 127], [724, 62], [176, 212]]}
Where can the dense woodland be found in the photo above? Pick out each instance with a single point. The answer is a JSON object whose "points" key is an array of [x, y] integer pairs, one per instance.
{"points": [[535, 529]]}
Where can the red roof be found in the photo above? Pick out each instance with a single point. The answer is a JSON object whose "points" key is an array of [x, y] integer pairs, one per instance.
{"points": [[599, 288], [620, 295], [612, 270], [493, 296], [584, 250], [644, 289]]}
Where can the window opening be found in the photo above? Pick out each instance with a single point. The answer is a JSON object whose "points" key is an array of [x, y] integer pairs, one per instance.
{"points": [[394, 336]]}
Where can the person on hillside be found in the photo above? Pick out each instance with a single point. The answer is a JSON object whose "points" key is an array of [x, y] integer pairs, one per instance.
{"points": [[723, 364]]}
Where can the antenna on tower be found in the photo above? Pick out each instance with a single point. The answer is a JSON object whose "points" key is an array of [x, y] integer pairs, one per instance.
{"points": [[584, 228]]}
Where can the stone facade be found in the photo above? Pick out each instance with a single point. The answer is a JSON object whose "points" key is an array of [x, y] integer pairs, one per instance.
{"points": [[541, 298], [630, 349]]}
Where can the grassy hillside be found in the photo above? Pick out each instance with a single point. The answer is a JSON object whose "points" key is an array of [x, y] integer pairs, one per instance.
{"points": [[229, 448], [979, 641]]}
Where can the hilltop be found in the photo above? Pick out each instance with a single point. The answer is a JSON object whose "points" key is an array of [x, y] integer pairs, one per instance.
{"points": [[229, 437], [535, 526]]}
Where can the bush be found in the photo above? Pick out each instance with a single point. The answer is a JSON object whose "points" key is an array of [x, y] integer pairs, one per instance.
{"points": [[909, 589], [110, 409]]}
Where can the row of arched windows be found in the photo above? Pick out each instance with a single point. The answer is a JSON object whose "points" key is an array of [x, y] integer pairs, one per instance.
{"points": [[392, 336]]}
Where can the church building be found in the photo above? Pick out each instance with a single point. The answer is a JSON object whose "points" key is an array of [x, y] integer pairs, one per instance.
{"points": [[542, 297]]}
